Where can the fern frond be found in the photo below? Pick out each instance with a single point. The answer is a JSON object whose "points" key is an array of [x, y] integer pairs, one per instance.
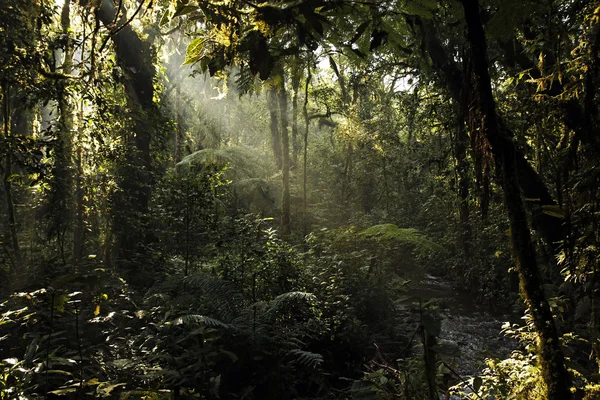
{"points": [[409, 236], [225, 296], [290, 297], [201, 320], [243, 159], [307, 358], [246, 81]]}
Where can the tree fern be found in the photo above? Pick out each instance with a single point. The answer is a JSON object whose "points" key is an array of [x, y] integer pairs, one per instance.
{"points": [[243, 160], [246, 81], [409, 236]]}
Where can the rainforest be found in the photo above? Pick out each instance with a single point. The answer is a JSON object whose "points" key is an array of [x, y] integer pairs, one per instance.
{"points": [[300, 199]]}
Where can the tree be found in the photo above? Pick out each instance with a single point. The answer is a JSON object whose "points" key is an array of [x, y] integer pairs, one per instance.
{"points": [[554, 372], [135, 58]]}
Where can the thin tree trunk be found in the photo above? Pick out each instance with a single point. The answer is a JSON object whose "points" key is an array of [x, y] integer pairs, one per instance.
{"points": [[550, 356], [61, 202], [295, 89], [11, 234], [274, 125], [78, 229], [429, 341], [462, 167], [305, 157], [178, 129], [285, 165]]}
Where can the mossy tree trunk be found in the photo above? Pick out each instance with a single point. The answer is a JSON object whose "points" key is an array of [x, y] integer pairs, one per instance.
{"points": [[550, 356]]}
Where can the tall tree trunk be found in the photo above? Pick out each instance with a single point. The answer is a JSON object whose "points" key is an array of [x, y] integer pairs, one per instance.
{"points": [[10, 211], [62, 193], [78, 223], [305, 156], [462, 167], [531, 183], [550, 356], [178, 129], [285, 152], [11, 233], [274, 126], [135, 58], [429, 357], [295, 90]]}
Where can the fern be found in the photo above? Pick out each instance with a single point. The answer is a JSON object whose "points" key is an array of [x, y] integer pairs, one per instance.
{"points": [[225, 297], [246, 81], [285, 299], [242, 159], [202, 320], [307, 359], [409, 236]]}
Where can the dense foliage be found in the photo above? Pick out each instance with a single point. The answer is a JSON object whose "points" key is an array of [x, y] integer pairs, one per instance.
{"points": [[293, 199]]}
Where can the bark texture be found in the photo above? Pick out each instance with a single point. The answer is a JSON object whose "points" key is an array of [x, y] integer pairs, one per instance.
{"points": [[551, 359]]}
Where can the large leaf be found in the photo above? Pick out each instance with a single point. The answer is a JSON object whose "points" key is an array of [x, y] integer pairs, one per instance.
{"points": [[194, 51], [183, 9]]}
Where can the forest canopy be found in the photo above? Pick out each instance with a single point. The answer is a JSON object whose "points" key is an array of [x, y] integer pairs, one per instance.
{"points": [[299, 199]]}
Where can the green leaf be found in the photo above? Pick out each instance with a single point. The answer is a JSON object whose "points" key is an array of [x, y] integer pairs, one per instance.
{"points": [[421, 8], [183, 9], [360, 30], [59, 302], [477, 382], [65, 391], [105, 388], [553, 211], [166, 18], [314, 23], [194, 51], [362, 390], [358, 52]]}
